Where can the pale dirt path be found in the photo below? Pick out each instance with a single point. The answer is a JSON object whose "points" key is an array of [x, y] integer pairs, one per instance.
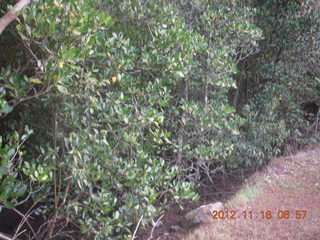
{"points": [[288, 183]]}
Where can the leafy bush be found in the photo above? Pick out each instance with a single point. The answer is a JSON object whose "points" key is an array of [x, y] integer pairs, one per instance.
{"points": [[12, 184], [264, 132], [129, 102]]}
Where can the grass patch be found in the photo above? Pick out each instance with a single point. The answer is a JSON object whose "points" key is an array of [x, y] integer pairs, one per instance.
{"points": [[247, 194], [314, 173], [314, 160], [289, 184], [222, 231]]}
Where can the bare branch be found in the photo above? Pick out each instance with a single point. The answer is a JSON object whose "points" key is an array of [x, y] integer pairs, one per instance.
{"points": [[4, 237], [135, 231], [154, 225]]}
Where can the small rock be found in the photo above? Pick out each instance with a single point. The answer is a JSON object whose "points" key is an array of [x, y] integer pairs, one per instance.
{"points": [[175, 228], [202, 214]]}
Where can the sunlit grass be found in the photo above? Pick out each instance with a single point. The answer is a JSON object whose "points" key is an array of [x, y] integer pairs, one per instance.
{"points": [[247, 194]]}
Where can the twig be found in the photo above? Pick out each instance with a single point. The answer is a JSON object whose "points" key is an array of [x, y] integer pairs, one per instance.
{"points": [[29, 195], [54, 218], [4, 237], [56, 188], [23, 231], [24, 220], [154, 226], [316, 128], [135, 231]]}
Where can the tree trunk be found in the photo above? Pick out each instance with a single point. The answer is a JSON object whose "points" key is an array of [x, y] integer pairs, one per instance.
{"points": [[181, 129]]}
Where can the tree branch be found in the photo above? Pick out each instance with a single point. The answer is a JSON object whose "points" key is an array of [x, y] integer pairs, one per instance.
{"points": [[5, 237], [11, 14]]}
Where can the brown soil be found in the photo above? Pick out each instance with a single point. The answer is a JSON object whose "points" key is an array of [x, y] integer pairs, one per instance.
{"points": [[289, 183]]}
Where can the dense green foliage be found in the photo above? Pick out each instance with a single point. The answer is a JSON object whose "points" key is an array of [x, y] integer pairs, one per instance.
{"points": [[109, 110], [280, 83]]}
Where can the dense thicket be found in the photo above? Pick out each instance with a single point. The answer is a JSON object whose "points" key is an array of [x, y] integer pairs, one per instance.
{"points": [[111, 109]]}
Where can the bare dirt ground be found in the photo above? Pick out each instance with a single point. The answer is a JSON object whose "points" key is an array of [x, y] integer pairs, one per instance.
{"points": [[280, 202]]}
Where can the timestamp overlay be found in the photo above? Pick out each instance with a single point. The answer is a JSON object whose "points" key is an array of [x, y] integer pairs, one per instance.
{"points": [[281, 214]]}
